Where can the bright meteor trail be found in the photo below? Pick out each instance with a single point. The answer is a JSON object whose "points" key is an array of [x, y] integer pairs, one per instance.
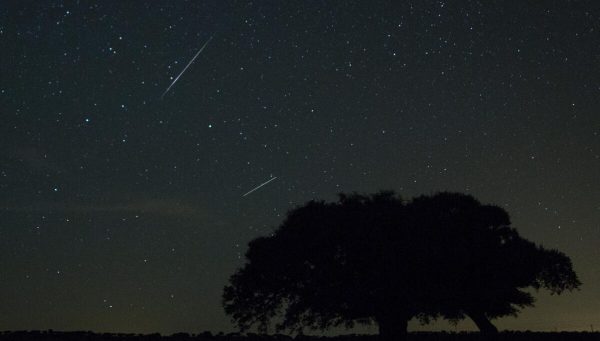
{"points": [[185, 68], [259, 186]]}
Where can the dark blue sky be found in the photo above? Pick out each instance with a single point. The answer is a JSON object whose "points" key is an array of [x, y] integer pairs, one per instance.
{"points": [[122, 211]]}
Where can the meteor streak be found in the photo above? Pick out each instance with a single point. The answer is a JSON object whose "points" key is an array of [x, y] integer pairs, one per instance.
{"points": [[185, 68], [259, 186]]}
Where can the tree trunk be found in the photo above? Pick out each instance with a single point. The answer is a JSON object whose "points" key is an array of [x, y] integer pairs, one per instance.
{"points": [[483, 323], [392, 328]]}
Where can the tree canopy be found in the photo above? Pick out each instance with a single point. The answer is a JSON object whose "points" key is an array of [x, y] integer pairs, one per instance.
{"points": [[378, 259]]}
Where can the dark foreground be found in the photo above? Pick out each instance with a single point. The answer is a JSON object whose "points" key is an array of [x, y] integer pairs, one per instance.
{"points": [[207, 336]]}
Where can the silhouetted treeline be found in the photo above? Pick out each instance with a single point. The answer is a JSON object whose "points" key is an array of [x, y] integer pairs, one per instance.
{"points": [[51, 335], [381, 260]]}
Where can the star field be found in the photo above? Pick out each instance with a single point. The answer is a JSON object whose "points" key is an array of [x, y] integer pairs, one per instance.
{"points": [[124, 211]]}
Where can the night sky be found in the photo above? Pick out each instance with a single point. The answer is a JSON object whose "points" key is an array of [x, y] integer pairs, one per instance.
{"points": [[124, 212]]}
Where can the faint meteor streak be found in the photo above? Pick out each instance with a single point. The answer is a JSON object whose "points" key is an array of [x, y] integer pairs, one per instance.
{"points": [[185, 68], [259, 186]]}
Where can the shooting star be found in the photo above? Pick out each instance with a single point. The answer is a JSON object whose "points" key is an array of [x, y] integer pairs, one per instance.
{"points": [[185, 68], [259, 186]]}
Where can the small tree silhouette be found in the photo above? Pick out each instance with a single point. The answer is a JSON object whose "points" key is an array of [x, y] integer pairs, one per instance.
{"points": [[376, 259]]}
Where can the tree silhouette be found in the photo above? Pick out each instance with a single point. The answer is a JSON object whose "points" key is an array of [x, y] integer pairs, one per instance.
{"points": [[377, 259]]}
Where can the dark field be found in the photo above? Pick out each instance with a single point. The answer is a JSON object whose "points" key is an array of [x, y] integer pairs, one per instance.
{"points": [[419, 336]]}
